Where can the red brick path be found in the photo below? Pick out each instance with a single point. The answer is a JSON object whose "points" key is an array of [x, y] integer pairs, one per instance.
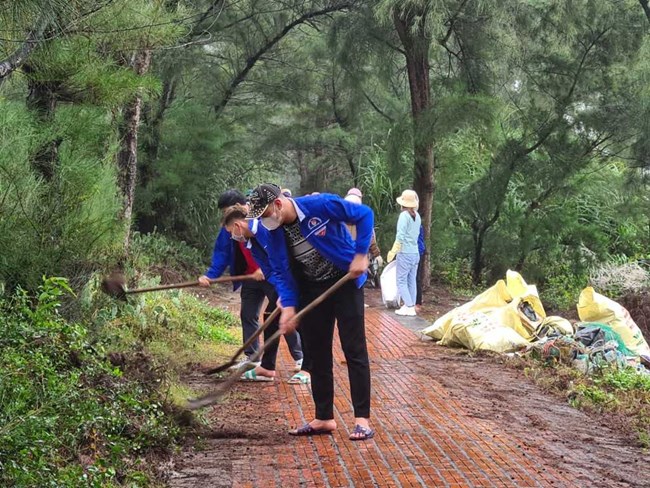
{"points": [[424, 437]]}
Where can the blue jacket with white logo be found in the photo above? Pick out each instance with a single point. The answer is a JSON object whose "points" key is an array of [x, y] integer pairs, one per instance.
{"points": [[322, 222]]}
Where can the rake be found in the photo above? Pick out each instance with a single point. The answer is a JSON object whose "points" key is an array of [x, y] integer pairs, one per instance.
{"points": [[218, 369], [215, 395], [115, 285]]}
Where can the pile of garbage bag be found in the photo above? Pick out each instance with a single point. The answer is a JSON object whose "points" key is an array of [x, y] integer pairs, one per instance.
{"points": [[510, 317]]}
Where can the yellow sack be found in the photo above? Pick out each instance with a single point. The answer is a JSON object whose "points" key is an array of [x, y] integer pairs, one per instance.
{"points": [[556, 323], [513, 317], [594, 307], [479, 331], [516, 284], [503, 302], [494, 297]]}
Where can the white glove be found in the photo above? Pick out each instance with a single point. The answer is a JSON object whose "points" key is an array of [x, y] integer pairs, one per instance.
{"points": [[380, 261]]}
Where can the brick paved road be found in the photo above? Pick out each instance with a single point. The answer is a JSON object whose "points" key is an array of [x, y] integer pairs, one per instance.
{"points": [[424, 437]]}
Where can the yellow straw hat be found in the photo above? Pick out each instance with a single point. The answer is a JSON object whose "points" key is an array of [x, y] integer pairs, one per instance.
{"points": [[409, 199]]}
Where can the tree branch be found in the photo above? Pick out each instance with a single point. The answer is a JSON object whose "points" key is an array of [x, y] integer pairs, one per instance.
{"points": [[377, 109], [389, 44], [20, 55], [252, 60], [209, 12], [646, 8], [450, 22], [567, 99]]}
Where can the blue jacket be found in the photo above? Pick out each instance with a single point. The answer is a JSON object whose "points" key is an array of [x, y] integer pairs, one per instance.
{"points": [[322, 222], [422, 247], [260, 249], [226, 255]]}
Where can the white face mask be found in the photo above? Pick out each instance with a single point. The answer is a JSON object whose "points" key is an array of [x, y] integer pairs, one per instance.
{"points": [[272, 222], [238, 238]]}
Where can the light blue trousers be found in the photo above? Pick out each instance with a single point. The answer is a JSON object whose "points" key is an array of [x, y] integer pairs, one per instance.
{"points": [[407, 272]]}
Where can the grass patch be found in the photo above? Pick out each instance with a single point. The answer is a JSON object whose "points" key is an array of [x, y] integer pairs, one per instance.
{"points": [[610, 390], [175, 327], [96, 402]]}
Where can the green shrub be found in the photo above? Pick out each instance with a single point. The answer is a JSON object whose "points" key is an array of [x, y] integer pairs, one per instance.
{"points": [[592, 397], [157, 251], [66, 224], [562, 288], [69, 417], [457, 276], [624, 379], [175, 327]]}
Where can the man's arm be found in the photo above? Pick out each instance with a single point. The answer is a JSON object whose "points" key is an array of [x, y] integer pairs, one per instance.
{"points": [[283, 280], [221, 255], [336, 208], [281, 275]]}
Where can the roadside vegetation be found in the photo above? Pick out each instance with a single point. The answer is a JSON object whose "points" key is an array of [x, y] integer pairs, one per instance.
{"points": [[622, 394], [96, 400], [522, 124]]}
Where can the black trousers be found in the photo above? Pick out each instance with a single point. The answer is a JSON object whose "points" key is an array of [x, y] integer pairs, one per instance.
{"points": [[317, 332], [252, 297], [271, 353], [418, 294]]}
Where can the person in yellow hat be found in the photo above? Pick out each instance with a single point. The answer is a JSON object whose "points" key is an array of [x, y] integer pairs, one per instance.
{"points": [[406, 251]]}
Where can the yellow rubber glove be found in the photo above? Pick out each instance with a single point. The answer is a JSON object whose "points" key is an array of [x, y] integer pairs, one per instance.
{"points": [[393, 252]]}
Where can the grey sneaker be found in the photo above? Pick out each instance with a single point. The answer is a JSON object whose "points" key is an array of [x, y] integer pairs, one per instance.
{"points": [[298, 365], [246, 362]]}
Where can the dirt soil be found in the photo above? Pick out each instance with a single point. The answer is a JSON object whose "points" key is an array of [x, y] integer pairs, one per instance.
{"points": [[237, 430], [592, 447]]}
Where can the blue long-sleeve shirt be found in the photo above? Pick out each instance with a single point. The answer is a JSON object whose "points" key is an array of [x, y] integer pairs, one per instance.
{"points": [[322, 222], [408, 231], [259, 248], [422, 247], [225, 255], [222, 255]]}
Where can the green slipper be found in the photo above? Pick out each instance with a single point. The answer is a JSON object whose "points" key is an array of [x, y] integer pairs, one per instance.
{"points": [[251, 375], [300, 379]]}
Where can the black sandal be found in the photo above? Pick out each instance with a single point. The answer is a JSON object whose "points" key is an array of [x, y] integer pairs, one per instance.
{"points": [[361, 433], [307, 430]]}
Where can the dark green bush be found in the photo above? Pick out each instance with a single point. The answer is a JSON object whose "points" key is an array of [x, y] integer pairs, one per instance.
{"points": [[69, 417]]}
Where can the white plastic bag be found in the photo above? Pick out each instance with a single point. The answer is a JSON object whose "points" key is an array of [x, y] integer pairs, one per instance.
{"points": [[389, 292]]}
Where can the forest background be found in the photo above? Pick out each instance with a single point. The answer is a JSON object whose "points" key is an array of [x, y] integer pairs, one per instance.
{"points": [[522, 124]]}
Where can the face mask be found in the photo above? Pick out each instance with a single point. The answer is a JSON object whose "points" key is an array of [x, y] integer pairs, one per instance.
{"points": [[238, 238], [272, 222]]}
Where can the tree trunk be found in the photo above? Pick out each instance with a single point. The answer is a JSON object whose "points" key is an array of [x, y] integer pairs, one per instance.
{"points": [[353, 169], [478, 236], [42, 101], [127, 157], [412, 33], [152, 127]]}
